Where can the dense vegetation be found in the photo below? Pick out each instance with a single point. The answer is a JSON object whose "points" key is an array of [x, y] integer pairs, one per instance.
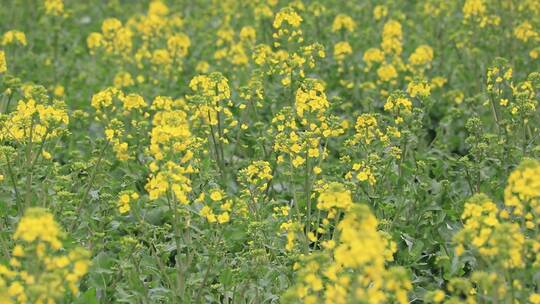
{"points": [[269, 151]]}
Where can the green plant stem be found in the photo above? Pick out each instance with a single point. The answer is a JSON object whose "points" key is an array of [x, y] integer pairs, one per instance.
{"points": [[180, 277], [3, 242], [207, 271], [17, 195], [92, 178], [29, 173], [307, 190]]}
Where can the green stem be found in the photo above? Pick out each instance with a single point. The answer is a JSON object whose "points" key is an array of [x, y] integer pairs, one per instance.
{"points": [[92, 178], [180, 278], [12, 177], [29, 175], [209, 266]]}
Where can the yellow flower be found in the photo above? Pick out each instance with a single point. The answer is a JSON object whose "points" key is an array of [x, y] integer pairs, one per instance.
{"points": [[525, 31], [343, 22], [216, 195], [170, 146], [392, 38], [3, 63], [124, 199], [419, 88], [46, 155], [534, 298], [202, 67], [59, 91], [161, 57], [37, 224], [387, 72], [311, 97], [42, 271], [223, 218], [158, 8], [459, 250], [380, 11], [54, 7], [423, 55], [298, 161], [18, 251], [14, 36], [208, 214], [373, 55], [15, 289], [438, 81], [94, 41], [133, 101], [473, 8], [367, 127], [523, 187], [248, 33], [335, 196], [123, 79], [178, 45], [438, 296], [289, 16], [352, 268], [341, 50], [256, 173]]}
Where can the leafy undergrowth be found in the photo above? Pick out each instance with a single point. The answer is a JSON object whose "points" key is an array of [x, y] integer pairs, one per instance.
{"points": [[269, 151]]}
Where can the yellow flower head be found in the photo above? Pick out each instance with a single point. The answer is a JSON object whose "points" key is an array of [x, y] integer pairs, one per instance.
{"points": [[14, 37], [54, 7], [343, 22], [3, 62], [289, 16]]}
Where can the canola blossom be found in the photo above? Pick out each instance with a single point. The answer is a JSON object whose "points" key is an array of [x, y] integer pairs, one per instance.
{"points": [[270, 151]]}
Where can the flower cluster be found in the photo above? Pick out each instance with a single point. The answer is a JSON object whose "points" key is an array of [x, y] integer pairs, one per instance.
{"points": [[399, 105], [522, 194], [212, 94], [124, 200], [256, 175], [54, 7], [216, 197], [35, 119], [14, 37], [170, 147], [287, 22], [216, 151], [502, 240], [352, 268], [476, 12], [122, 116], [40, 271], [495, 241], [144, 45], [115, 38]]}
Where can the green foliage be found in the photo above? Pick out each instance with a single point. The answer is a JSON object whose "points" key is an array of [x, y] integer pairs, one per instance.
{"points": [[215, 151]]}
